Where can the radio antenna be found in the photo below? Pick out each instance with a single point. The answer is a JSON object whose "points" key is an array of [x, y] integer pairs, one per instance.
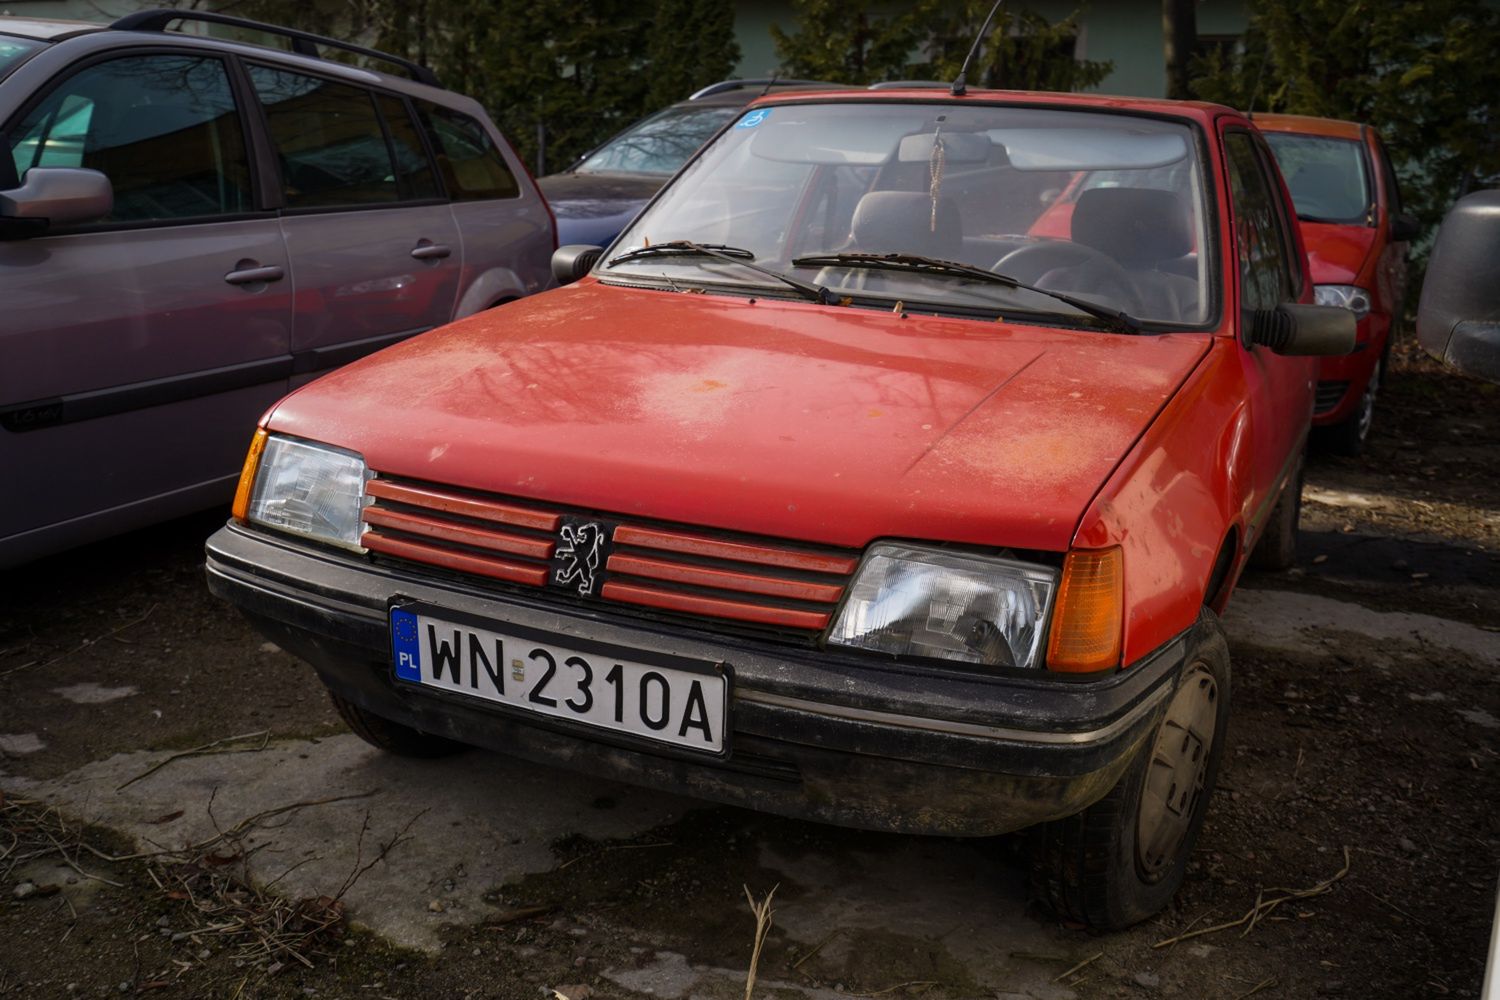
{"points": [[960, 86]]}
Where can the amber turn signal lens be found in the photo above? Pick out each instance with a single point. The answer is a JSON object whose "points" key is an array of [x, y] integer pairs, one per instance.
{"points": [[247, 476], [1085, 633]]}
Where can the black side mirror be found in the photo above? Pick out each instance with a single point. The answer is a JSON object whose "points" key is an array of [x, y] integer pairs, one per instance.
{"points": [[57, 196], [1458, 320], [1303, 330], [1404, 228], [571, 262]]}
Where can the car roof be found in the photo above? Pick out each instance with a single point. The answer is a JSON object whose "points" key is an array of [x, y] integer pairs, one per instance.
{"points": [[44, 29], [1200, 111], [1309, 125], [57, 30]]}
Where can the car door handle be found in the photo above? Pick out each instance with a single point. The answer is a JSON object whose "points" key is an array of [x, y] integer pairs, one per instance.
{"points": [[248, 273], [431, 251]]}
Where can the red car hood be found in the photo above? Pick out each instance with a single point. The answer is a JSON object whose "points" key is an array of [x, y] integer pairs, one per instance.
{"points": [[781, 418], [1336, 253]]}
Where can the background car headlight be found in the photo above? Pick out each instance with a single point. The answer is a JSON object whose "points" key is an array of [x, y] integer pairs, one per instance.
{"points": [[310, 490], [910, 601], [1350, 297]]}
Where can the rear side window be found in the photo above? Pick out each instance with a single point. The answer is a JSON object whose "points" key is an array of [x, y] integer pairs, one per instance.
{"points": [[1265, 268], [162, 128], [472, 167], [329, 140], [417, 178]]}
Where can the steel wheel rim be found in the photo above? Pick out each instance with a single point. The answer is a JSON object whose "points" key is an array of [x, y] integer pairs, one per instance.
{"points": [[1177, 772]]}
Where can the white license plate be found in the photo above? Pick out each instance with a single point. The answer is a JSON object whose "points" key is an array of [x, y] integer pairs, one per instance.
{"points": [[650, 696]]}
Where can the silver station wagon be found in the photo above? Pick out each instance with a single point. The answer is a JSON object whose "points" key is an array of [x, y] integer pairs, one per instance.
{"points": [[191, 226]]}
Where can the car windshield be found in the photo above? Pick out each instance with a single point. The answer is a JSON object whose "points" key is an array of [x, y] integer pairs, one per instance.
{"points": [[13, 50], [1327, 177], [793, 185], [660, 144]]}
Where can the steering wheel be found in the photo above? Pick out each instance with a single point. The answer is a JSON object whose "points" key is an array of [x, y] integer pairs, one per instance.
{"points": [[1032, 262]]}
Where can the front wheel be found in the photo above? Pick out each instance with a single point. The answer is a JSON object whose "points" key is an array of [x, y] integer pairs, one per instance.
{"points": [[1123, 858], [392, 737], [1277, 547], [1348, 436]]}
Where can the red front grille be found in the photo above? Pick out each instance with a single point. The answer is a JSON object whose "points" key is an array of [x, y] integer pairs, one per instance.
{"points": [[676, 569]]}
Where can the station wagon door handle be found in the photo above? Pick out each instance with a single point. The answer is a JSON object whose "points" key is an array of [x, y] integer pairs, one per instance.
{"points": [[248, 273], [431, 251]]}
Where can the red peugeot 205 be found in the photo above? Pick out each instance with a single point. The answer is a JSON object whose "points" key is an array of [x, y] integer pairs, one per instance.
{"points": [[1349, 206], [829, 492]]}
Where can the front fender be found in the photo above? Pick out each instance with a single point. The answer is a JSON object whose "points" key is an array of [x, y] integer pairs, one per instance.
{"points": [[1172, 501]]}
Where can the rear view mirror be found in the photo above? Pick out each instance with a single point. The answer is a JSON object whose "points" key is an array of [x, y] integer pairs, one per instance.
{"points": [[1404, 228], [1459, 318], [571, 262], [58, 196], [1304, 331]]}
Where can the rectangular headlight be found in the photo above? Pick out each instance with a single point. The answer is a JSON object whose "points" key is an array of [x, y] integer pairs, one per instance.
{"points": [[909, 601], [311, 490]]}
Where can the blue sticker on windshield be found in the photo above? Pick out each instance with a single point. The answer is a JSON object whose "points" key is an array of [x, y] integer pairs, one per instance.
{"points": [[754, 118]]}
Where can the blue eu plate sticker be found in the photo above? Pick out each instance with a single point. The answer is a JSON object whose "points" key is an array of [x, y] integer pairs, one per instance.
{"points": [[404, 647], [754, 118]]}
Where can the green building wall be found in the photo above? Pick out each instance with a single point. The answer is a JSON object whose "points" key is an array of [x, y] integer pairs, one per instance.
{"points": [[1127, 32]]}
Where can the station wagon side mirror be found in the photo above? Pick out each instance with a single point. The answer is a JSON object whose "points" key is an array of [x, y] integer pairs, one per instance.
{"points": [[1303, 330], [571, 262], [1458, 320], [1404, 228], [55, 196]]}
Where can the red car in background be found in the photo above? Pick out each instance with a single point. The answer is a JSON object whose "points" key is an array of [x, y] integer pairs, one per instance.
{"points": [[1349, 208]]}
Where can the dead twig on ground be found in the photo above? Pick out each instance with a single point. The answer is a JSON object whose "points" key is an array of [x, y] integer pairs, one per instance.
{"points": [[1087, 961], [205, 750], [926, 985], [1262, 985], [816, 948], [763, 914], [1264, 906], [81, 646]]}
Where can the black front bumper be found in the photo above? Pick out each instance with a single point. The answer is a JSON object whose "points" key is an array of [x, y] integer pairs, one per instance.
{"points": [[814, 734]]}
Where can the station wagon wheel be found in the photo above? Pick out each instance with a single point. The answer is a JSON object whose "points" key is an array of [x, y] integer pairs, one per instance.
{"points": [[1123, 858], [1177, 774]]}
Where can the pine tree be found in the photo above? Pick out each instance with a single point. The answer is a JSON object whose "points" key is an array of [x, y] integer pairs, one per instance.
{"points": [[1425, 75]]}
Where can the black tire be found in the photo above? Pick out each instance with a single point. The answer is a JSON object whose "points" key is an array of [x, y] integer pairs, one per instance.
{"points": [[1093, 868], [1276, 549], [392, 737], [1348, 436]]}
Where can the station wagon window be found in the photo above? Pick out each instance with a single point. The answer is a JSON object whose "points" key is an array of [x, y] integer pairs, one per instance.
{"points": [[329, 140], [417, 179], [471, 164], [1265, 271], [162, 128]]}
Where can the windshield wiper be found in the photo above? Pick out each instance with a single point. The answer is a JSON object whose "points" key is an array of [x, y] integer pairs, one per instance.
{"points": [[734, 255], [1118, 319]]}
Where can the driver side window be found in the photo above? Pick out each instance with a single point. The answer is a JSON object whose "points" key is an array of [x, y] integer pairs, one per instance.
{"points": [[1259, 234]]}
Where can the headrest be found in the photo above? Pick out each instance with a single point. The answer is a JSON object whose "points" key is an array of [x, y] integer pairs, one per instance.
{"points": [[1136, 226], [901, 222]]}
